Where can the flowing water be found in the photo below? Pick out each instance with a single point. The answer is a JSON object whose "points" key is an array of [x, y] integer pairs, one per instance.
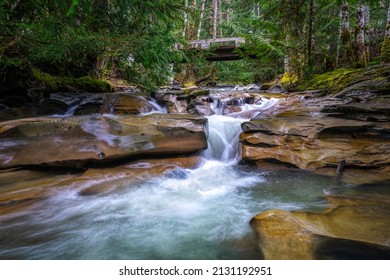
{"points": [[200, 213]]}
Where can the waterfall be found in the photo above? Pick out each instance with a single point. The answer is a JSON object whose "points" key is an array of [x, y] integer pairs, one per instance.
{"points": [[223, 138]]}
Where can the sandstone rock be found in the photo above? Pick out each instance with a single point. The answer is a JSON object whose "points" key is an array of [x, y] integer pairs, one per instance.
{"points": [[311, 142], [352, 227], [183, 101], [22, 189], [77, 141], [125, 104]]}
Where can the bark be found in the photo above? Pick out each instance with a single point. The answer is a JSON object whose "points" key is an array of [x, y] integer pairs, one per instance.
{"points": [[310, 34], [200, 19], [359, 38], [220, 18], [215, 16], [192, 21], [347, 56], [287, 57], [385, 52], [185, 19], [367, 31]]}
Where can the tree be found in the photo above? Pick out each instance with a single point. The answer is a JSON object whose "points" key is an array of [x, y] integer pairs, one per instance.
{"points": [[359, 36], [135, 38], [385, 53]]}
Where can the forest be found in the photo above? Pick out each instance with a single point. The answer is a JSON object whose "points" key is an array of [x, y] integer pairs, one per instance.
{"points": [[70, 44]]}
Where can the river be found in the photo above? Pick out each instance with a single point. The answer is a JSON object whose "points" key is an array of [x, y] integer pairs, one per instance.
{"points": [[200, 213]]}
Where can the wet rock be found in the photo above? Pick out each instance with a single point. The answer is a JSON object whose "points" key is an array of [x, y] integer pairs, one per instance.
{"points": [[125, 104], [23, 189], [187, 100], [200, 106], [311, 142], [350, 228], [77, 141], [107, 180], [276, 89]]}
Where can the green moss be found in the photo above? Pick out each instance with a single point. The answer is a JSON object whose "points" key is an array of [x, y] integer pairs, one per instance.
{"points": [[54, 83], [385, 52], [87, 84], [46, 79], [371, 78], [288, 79]]}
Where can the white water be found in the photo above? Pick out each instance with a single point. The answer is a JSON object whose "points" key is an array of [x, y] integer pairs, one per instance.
{"points": [[187, 214]]}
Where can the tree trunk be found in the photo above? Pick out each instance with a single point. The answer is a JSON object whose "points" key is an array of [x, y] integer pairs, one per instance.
{"points": [[185, 19], [347, 56], [287, 57], [359, 38], [215, 16], [220, 18], [310, 35], [385, 52], [193, 20], [200, 19], [367, 31]]}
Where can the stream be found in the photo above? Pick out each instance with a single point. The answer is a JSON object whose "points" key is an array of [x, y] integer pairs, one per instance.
{"points": [[200, 213]]}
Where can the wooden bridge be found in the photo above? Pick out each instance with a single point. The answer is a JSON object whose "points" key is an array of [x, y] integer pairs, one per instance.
{"points": [[220, 49]]}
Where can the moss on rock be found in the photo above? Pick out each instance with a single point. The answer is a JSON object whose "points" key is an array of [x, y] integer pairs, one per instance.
{"points": [[55, 83], [373, 78]]}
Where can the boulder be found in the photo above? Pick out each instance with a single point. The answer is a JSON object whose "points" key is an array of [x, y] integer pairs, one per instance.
{"points": [[350, 228], [77, 141], [183, 101]]}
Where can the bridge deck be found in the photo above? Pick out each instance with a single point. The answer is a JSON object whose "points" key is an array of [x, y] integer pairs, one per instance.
{"points": [[206, 44]]}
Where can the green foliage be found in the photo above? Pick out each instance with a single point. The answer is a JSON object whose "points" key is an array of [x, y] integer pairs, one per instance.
{"points": [[70, 38]]}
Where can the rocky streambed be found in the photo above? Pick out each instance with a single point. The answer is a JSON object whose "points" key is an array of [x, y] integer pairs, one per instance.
{"points": [[182, 173]]}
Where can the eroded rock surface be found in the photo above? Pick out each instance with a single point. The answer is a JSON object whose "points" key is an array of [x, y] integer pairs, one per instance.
{"points": [[22, 189], [320, 132], [317, 141], [77, 141], [351, 227]]}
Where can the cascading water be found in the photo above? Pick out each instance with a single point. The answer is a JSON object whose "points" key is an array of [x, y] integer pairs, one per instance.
{"points": [[200, 213]]}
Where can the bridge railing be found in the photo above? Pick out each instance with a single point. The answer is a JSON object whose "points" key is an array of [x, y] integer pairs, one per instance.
{"points": [[206, 44]]}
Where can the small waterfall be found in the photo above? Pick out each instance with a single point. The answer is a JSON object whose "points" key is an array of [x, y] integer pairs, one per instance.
{"points": [[223, 138], [158, 108]]}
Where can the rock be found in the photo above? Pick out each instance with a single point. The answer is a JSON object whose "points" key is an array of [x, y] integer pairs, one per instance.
{"points": [[97, 181], [89, 104], [77, 141], [125, 104], [178, 101], [34, 186], [200, 106], [350, 228], [276, 89], [311, 142]]}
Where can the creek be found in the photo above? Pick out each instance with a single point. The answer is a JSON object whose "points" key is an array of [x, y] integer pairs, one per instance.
{"points": [[200, 213]]}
